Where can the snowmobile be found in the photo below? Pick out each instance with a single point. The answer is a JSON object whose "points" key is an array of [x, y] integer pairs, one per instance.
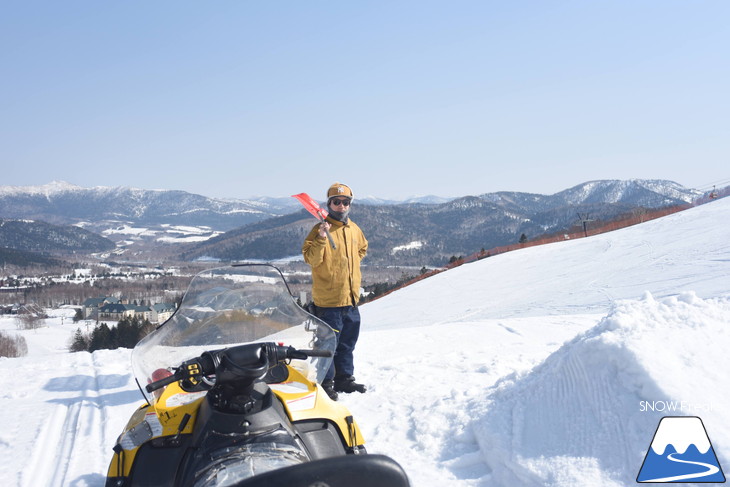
{"points": [[232, 383]]}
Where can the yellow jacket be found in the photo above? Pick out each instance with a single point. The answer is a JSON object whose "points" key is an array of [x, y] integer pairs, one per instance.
{"points": [[336, 273]]}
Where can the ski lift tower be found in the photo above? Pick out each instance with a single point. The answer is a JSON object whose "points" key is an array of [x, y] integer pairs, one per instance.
{"points": [[584, 220]]}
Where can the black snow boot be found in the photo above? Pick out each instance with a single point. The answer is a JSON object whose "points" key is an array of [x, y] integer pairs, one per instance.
{"points": [[347, 384], [329, 387]]}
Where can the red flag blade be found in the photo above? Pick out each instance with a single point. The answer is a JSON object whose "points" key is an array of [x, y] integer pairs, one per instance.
{"points": [[316, 210], [311, 205]]}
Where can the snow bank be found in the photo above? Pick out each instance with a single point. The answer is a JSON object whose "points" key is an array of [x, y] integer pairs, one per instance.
{"points": [[587, 414]]}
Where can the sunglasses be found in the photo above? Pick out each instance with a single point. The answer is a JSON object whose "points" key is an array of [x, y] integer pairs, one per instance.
{"points": [[337, 202]]}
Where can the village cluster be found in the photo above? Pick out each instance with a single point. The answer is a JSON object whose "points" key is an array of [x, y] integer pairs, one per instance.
{"points": [[115, 309]]}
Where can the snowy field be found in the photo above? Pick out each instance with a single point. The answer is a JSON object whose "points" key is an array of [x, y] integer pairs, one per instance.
{"points": [[548, 366]]}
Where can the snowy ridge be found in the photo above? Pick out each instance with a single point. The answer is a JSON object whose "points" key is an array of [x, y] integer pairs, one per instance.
{"points": [[613, 191], [45, 189]]}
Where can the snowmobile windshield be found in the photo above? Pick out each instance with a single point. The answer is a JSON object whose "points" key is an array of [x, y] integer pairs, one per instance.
{"points": [[229, 306]]}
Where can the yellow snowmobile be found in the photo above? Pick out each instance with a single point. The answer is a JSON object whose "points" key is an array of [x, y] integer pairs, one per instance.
{"points": [[232, 384]]}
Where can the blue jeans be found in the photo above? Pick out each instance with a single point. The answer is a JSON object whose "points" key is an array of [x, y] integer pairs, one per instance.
{"points": [[345, 321]]}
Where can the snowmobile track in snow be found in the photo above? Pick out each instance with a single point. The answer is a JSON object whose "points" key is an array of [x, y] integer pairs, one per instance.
{"points": [[73, 426]]}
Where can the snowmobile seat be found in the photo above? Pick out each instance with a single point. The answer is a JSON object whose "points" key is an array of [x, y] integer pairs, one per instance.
{"points": [[343, 471]]}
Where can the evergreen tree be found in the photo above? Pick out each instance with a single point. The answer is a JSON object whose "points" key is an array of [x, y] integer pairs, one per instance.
{"points": [[79, 342], [128, 332], [100, 338], [125, 334], [455, 260]]}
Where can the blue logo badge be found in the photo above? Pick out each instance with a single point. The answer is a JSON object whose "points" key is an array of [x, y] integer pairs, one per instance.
{"points": [[681, 452]]}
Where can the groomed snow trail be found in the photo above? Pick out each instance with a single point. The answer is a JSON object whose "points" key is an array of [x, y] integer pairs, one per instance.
{"points": [[66, 437]]}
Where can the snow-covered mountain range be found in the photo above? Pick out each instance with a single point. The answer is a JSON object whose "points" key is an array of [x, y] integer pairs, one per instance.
{"points": [[421, 234], [431, 228], [64, 203]]}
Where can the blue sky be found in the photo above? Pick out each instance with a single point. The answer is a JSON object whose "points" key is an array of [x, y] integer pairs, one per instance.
{"points": [[396, 98]]}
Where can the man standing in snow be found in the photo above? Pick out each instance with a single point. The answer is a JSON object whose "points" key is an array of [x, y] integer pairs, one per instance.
{"points": [[336, 281]]}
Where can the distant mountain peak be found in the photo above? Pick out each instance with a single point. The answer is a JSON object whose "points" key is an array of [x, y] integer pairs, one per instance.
{"points": [[45, 189]]}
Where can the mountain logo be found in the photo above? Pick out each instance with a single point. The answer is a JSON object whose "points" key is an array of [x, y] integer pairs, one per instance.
{"points": [[681, 452]]}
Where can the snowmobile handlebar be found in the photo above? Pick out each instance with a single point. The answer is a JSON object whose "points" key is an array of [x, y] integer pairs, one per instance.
{"points": [[251, 360]]}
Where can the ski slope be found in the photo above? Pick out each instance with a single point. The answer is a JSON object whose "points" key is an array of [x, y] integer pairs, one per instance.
{"points": [[548, 366]]}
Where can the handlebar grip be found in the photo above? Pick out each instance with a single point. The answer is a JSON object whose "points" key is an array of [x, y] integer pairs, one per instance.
{"points": [[159, 384], [317, 353]]}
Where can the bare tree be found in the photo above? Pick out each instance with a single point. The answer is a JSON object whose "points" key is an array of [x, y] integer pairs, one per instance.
{"points": [[12, 346], [30, 321]]}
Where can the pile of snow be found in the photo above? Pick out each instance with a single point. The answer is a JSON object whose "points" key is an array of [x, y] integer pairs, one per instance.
{"points": [[550, 366], [587, 414]]}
